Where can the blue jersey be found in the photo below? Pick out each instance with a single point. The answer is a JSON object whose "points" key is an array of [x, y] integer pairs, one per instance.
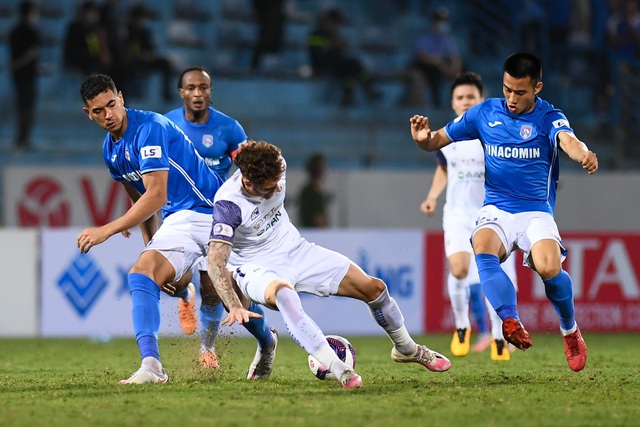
{"points": [[153, 143], [521, 152], [215, 140]]}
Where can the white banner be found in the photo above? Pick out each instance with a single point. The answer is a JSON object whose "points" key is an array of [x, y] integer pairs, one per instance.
{"points": [[88, 294], [19, 284], [61, 197]]}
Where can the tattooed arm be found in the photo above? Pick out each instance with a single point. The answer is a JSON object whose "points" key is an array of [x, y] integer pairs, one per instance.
{"points": [[218, 257]]}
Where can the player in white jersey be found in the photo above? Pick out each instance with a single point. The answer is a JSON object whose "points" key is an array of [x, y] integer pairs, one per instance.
{"points": [[217, 138], [272, 263], [461, 171], [160, 170], [521, 135]]}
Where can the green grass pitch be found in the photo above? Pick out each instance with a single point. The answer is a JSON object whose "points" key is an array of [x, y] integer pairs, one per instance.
{"points": [[67, 382]]}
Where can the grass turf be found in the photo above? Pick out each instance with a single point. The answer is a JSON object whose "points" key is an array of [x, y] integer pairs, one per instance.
{"points": [[65, 382]]}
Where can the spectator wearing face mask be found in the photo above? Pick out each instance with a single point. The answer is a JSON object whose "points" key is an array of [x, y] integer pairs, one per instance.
{"points": [[436, 60]]}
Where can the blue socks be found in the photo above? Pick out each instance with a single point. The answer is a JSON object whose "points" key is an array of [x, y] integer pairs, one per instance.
{"points": [[476, 301], [210, 317], [259, 328], [145, 299], [497, 286], [559, 290]]}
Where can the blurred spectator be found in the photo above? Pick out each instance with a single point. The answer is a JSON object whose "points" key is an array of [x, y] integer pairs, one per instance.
{"points": [[115, 31], [436, 60], [330, 57], [85, 45], [271, 17], [142, 55], [313, 200], [24, 42]]}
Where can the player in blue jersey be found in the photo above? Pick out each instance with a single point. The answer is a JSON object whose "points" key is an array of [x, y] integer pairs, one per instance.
{"points": [[217, 138], [521, 135], [160, 170]]}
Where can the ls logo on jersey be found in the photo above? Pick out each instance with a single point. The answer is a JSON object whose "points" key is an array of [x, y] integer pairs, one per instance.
{"points": [[207, 140], [151, 152], [126, 154], [526, 131]]}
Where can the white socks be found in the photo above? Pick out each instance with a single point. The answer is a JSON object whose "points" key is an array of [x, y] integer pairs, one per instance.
{"points": [[386, 312], [459, 296]]}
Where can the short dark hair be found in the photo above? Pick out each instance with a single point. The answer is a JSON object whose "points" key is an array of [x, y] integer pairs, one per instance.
{"points": [[468, 78], [520, 65], [190, 69], [260, 162], [95, 84]]}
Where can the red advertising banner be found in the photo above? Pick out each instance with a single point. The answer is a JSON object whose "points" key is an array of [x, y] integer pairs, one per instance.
{"points": [[604, 267]]}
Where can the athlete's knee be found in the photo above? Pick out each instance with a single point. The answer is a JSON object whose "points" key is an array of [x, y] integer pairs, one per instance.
{"points": [[548, 270], [459, 271], [272, 290], [374, 289]]}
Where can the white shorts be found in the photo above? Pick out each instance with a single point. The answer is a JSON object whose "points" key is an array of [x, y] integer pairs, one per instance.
{"points": [[183, 239], [457, 236], [521, 230], [309, 268]]}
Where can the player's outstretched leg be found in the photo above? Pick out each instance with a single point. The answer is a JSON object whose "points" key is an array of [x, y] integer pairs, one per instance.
{"points": [[187, 309], [210, 317], [387, 314], [145, 299], [267, 338], [309, 336], [459, 297]]}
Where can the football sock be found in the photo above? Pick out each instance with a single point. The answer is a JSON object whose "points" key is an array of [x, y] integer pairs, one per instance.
{"points": [[183, 294], [459, 297], [476, 303], [305, 332], [387, 314], [559, 290], [259, 327], [210, 316], [497, 286], [496, 322], [145, 299]]}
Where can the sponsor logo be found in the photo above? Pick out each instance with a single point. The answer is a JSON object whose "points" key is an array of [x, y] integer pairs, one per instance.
{"points": [[561, 123], [255, 214], [44, 204], [494, 124], [512, 152], [526, 131], [82, 283], [207, 140], [151, 152], [220, 229]]}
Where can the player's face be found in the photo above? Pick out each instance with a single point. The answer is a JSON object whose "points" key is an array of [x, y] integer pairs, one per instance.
{"points": [[196, 91], [107, 109], [520, 93], [266, 190], [465, 97]]}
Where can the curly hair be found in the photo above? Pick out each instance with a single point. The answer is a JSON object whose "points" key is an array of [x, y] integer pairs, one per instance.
{"points": [[260, 162], [94, 85]]}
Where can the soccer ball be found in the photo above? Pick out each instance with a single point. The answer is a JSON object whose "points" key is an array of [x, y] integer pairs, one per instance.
{"points": [[343, 349]]}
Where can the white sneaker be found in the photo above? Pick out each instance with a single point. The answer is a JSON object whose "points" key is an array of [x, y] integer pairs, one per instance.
{"points": [[151, 371], [262, 363], [428, 358]]}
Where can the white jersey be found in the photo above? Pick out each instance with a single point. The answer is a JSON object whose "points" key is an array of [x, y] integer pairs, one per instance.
{"points": [[252, 224], [465, 180]]}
